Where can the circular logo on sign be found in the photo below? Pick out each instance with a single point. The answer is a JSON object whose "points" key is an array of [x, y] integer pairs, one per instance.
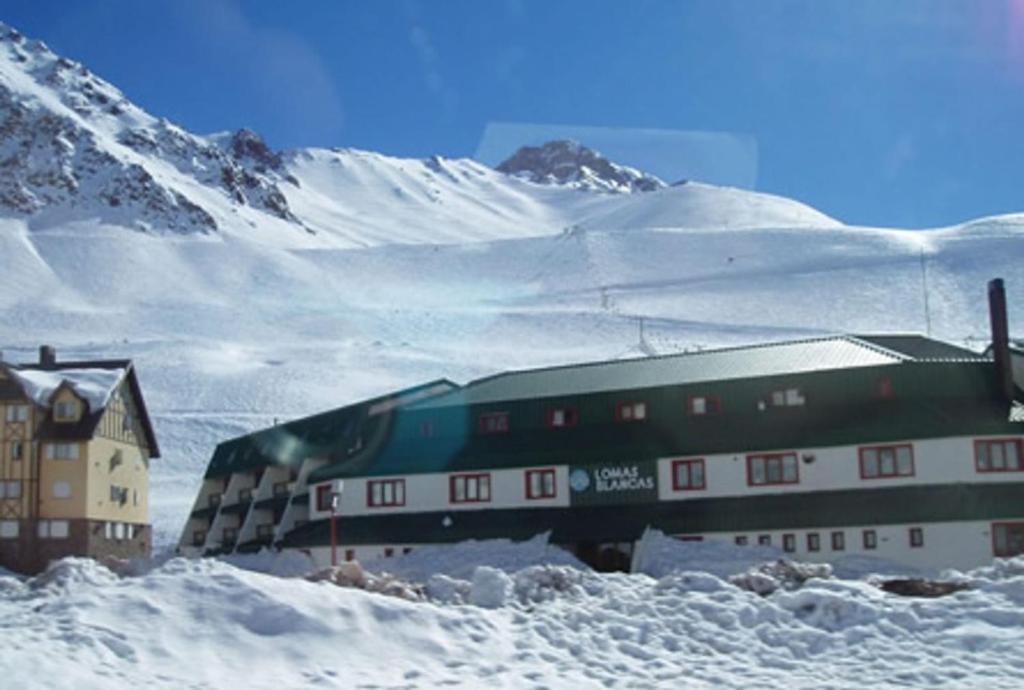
{"points": [[579, 480]]}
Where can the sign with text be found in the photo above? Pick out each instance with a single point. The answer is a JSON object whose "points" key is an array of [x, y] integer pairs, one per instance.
{"points": [[618, 482]]}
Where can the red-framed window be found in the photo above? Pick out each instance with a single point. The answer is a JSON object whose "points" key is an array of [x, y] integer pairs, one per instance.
{"points": [[916, 535], [886, 462], [764, 540], [1007, 539], [999, 455], [469, 488], [870, 539], [382, 493], [688, 475], [789, 543], [540, 484], [633, 411], [324, 495], [838, 541], [741, 541], [813, 541], [772, 468], [561, 417], [493, 423], [703, 404]]}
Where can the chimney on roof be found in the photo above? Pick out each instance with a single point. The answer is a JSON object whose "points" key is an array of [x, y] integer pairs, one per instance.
{"points": [[47, 356], [1000, 337]]}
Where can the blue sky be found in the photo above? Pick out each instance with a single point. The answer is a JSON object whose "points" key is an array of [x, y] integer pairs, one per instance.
{"points": [[877, 112]]}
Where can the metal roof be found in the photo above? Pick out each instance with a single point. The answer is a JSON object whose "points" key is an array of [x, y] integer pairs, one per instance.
{"points": [[770, 359]]}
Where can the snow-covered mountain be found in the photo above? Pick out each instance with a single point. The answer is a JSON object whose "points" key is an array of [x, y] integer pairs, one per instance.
{"points": [[571, 164]]}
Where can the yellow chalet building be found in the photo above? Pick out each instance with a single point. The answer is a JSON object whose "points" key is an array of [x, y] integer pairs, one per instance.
{"points": [[75, 446]]}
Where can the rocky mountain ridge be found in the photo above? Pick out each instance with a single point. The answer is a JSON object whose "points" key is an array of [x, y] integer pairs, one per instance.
{"points": [[569, 163]]}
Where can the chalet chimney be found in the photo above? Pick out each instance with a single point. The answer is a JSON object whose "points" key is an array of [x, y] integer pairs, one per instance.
{"points": [[1000, 337], [47, 357]]}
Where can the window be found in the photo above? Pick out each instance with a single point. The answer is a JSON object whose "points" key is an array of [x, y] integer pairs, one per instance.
{"points": [[389, 552], [469, 488], [281, 488], [17, 413], [631, 412], [741, 541], [703, 404], [9, 529], [10, 489], [790, 397], [17, 450], [264, 531], [870, 539], [560, 417], [62, 451], [385, 492], [916, 537], [688, 475], [764, 540], [493, 423], [118, 494], [776, 468], [540, 484], [999, 455], [324, 497], [66, 409], [1008, 539], [406, 549], [62, 490], [213, 500], [885, 389], [53, 529], [230, 534], [350, 554], [813, 541], [886, 461], [198, 537], [244, 495], [838, 541], [789, 543]]}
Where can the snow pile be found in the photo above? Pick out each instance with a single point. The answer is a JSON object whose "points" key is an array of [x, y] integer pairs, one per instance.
{"points": [[351, 574], [206, 623], [95, 386], [781, 574]]}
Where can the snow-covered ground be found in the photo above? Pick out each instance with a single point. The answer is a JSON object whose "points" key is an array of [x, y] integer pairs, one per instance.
{"points": [[210, 624]]}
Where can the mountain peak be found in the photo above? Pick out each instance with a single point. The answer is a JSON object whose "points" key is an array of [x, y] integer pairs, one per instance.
{"points": [[569, 163]]}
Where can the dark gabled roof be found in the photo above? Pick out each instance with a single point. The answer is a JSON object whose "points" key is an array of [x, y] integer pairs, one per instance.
{"points": [[770, 359], [85, 428], [327, 434]]}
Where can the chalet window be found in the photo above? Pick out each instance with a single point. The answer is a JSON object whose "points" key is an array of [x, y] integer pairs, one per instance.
{"points": [[916, 537], [10, 489], [9, 529], [62, 451], [1000, 455], [1008, 539], [17, 450], [17, 413], [764, 540], [703, 404], [838, 541], [789, 397], [560, 417], [469, 488], [741, 541], [789, 543], [813, 541], [688, 475], [886, 461], [324, 497], [631, 412], [772, 468], [540, 484], [66, 409], [385, 492], [62, 490], [870, 539], [198, 537], [53, 529], [493, 423]]}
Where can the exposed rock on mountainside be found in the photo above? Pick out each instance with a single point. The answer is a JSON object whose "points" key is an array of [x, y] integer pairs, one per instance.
{"points": [[572, 164]]}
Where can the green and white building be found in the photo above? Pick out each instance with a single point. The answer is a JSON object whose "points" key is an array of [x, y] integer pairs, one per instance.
{"points": [[895, 446]]}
